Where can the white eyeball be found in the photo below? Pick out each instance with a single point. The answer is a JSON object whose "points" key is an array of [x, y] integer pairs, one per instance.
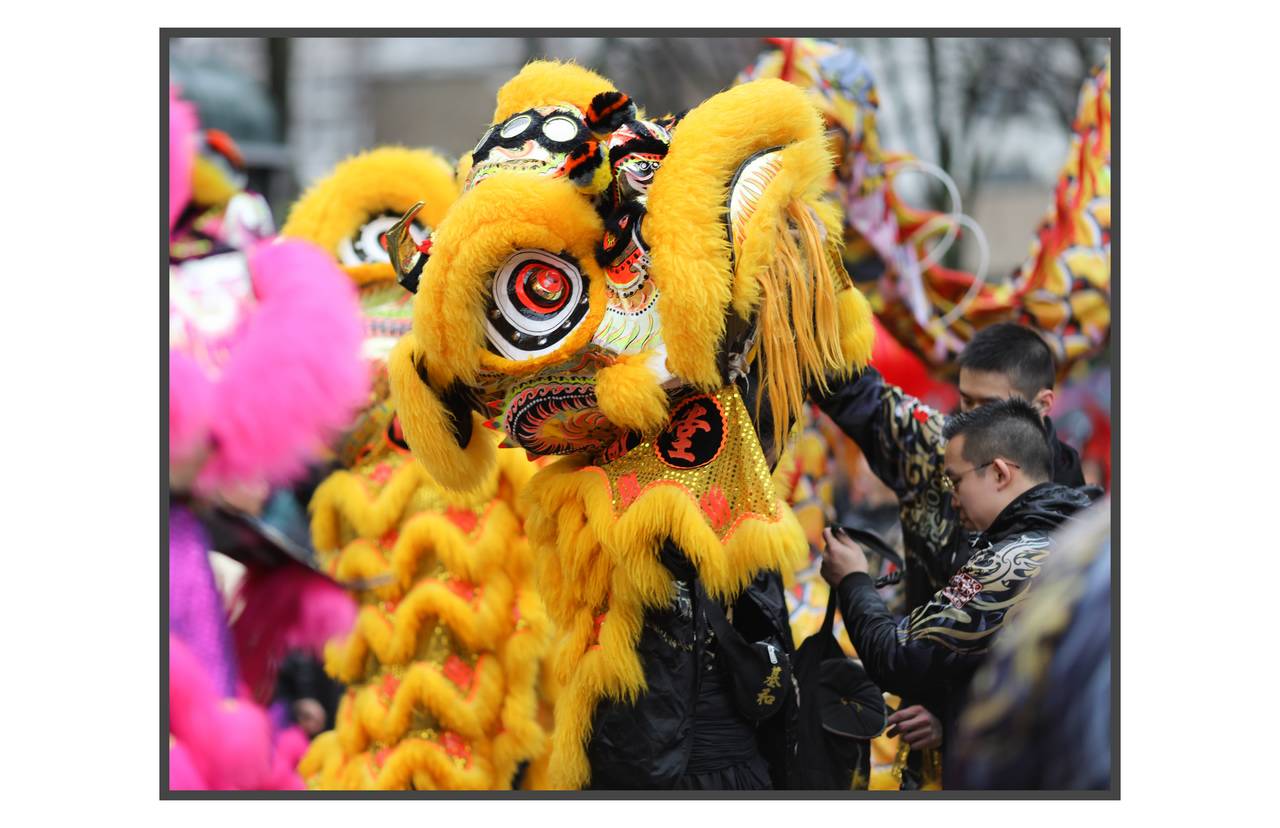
{"points": [[537, 299], [369, 244]]}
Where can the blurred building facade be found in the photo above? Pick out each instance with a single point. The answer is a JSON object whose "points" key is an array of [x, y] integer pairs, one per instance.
{"points": [[300, 105]]}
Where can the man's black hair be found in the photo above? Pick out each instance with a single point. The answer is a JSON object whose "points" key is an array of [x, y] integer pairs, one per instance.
{"points": [[1015, 351], [1011, 429]]}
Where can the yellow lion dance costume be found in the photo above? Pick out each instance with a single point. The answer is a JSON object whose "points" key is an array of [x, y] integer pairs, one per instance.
{"points": [[651, 298], [444, 659]]}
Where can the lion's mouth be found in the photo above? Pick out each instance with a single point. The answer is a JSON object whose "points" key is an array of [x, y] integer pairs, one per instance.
{"points": [[558, 418]]}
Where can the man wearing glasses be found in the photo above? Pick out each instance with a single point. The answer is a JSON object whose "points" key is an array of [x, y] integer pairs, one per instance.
{"points": [[997, 467], [902, 439]]}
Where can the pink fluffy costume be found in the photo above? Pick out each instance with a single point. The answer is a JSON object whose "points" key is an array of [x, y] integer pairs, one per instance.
{"points": [[264, 369]]}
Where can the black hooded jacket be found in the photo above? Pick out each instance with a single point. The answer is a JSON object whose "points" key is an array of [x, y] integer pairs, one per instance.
{"points": [[931, 655]]}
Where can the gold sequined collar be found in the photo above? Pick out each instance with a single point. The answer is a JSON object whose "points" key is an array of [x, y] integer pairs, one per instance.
{"points": [[710, 452]]}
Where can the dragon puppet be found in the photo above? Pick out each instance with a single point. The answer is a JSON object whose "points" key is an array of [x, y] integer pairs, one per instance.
{"points": [[444, 659], [649, 299], [891, 250], [1062, 289], [264, 369]]}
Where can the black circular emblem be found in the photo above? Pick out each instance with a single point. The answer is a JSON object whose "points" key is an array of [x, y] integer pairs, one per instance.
{"points": [[695, 435]]}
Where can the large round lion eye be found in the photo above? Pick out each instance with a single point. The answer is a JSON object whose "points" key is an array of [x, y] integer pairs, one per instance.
{"points": [[369, 244], [540, 289], [515, 126], [560, 129], [537, 299]]}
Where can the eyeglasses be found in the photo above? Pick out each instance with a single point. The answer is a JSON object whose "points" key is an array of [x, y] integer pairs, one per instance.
{"points": [[951, 484]]}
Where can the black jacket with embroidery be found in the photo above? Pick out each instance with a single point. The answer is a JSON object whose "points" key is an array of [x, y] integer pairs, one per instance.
{"points": [[647, 744], [931, 655], [902, 440]]}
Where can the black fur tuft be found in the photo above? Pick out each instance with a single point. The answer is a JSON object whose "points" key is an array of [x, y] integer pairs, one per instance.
{"points": [[608, 111]]}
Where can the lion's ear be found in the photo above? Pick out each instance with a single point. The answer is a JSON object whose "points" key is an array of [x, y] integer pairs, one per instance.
{"points": [[739, 233]]}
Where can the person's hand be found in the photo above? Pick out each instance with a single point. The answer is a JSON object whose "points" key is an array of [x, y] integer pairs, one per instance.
{"points": [[841, 557], [918, 727]]}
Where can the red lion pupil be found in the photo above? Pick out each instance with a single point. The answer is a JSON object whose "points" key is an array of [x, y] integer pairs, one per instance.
{"points": [[549, 283], [540, 289], [546, 285]]}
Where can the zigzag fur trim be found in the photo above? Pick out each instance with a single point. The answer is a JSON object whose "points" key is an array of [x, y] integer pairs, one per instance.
{"points": [[415, 763], [362, 560], [521, 655], [503, 695], [479, 625], [341, 498], [366, 718]]}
